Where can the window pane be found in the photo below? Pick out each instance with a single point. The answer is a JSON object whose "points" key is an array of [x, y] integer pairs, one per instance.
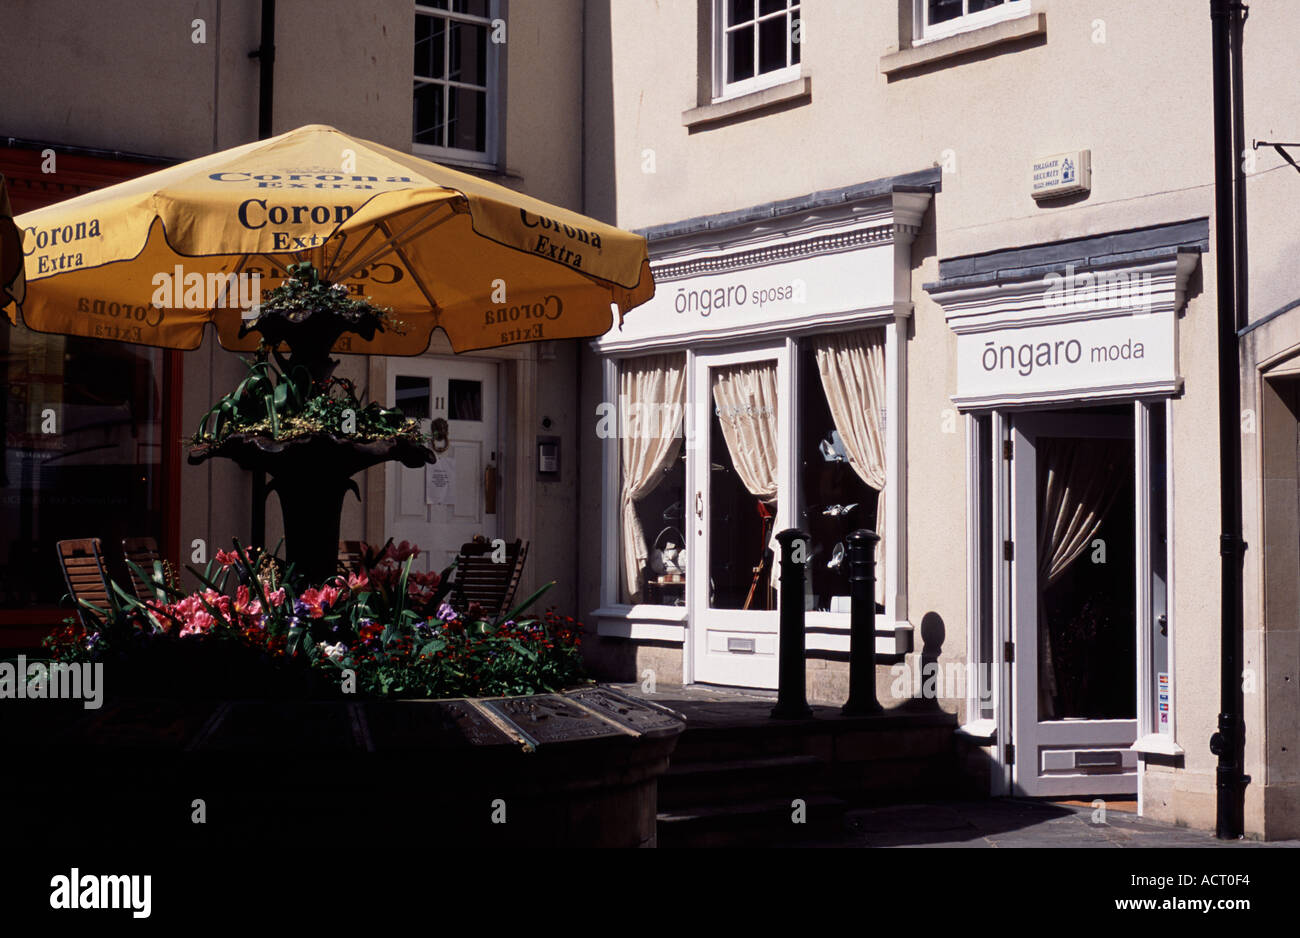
{"points": [[1086, 632], [796, 39], [770, 6], [429, 114], [740, 54], [834, 501], [412, 392], [464, 399], [651, 442], [662, 516], [772, 36], [98, 474], [467, 122], [941, 11], [429, 46], [739, 11], [742, 495], [977, 5], [472, 7], [468, 54]]}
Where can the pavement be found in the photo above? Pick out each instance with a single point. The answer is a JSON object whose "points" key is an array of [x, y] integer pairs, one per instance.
{"points": [[990, 823], [1016, 822]]}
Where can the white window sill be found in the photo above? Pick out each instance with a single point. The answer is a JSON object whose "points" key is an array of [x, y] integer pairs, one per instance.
{"points": [[642, 623], [798, 90], [832, 634], [984, 731], [1160, 744], [460, 161], [984, 37]]}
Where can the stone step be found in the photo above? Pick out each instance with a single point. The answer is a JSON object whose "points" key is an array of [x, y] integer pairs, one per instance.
{"points": [[763, 822], [688, 783]]}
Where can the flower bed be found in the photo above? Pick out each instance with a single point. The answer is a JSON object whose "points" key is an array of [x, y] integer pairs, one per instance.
{"points": [[385, 632]]}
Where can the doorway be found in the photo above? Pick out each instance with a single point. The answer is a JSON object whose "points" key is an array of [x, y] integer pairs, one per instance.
{"points": [[444, 505], [738, 469], [1074, 601]]}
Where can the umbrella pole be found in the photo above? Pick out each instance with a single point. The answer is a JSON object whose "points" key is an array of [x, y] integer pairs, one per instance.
{"points": [[265, 54]]}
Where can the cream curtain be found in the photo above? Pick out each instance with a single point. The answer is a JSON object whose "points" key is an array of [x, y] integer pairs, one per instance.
{"points": [[1079, 480], [745, 397], [745, 400], [651, 401], [852, 368]]}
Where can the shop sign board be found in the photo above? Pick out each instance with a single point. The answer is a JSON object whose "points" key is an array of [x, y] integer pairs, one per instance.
{"points": [[755, 297], [1131, 353]]}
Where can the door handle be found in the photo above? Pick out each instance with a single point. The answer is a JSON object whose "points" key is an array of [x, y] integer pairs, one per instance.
{"points": [[490, 490], [699, 505]]}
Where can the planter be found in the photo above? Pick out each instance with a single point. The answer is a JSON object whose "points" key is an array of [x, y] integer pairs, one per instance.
{"points": [[551, 770]]}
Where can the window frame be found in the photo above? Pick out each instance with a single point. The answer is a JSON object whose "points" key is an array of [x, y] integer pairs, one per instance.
{"points": [[490, 157], [724, 90], [670, 621], [923, 32]]}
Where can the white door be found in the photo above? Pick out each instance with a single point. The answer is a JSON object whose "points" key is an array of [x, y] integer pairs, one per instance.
{"points": [[442, 506], [732, 593], [1074, 604]]}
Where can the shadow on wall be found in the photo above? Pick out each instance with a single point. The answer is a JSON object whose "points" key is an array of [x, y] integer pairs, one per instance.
{"points": [[926, 684], [622, 661]]}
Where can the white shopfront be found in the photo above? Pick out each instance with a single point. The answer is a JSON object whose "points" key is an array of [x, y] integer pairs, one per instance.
{"points": [[758, 391], [1067, 382]]}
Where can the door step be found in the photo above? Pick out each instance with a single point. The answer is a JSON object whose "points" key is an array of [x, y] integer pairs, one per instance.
{"points": [[764, 822], [747, 779]]}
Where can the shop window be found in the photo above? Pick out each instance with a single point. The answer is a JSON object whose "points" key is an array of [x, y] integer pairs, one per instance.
{"points": [[652, 483], [757, 43], [936, 19], [81, 451], [456, 100], [834, 497]]}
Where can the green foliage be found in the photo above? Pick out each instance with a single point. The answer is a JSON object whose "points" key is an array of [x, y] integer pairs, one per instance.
{"points": [[386, 632]]}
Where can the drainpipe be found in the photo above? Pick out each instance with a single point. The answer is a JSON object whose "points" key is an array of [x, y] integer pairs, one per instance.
{"points": [[1227, 18], [265, 55]]}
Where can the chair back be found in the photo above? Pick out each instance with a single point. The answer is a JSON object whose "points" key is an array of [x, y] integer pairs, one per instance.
{"points": [[351, 557], [143, 552], [82, 564], [479, 579]]}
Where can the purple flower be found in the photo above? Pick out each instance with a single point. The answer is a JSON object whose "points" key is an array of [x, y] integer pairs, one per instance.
{"points": [[446, 613]]}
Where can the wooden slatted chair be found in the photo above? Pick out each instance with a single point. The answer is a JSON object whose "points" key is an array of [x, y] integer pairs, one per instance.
{"points": [[351, 557], [478, 579], [82, 563], [143, 552]]}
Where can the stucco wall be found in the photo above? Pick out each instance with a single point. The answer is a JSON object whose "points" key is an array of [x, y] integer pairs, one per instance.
{"points": [[1130, 82]]}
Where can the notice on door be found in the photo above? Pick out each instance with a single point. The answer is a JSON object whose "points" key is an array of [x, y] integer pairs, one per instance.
{"points": [[437, 481]]}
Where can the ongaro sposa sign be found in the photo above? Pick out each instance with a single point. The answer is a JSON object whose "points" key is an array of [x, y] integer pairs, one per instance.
{"points": [[1072, 357]]}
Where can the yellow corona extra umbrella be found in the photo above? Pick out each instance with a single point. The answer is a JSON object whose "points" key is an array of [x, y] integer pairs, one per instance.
{"points": [[151, 260], [11, 253]]}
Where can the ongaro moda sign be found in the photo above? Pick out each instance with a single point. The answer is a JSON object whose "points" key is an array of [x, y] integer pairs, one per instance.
{"points": [[1093, 356]]}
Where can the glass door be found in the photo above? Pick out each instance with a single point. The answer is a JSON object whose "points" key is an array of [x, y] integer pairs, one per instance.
{"points": [[1073, 566], [740, 472]]}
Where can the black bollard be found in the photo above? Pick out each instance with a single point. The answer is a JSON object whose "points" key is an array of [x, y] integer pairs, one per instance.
{"points": [[862, 624], [791, 689]]}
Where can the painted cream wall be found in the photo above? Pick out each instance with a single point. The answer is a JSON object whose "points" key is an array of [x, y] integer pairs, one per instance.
{"points": [[132, 79], [1132, 83]]}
